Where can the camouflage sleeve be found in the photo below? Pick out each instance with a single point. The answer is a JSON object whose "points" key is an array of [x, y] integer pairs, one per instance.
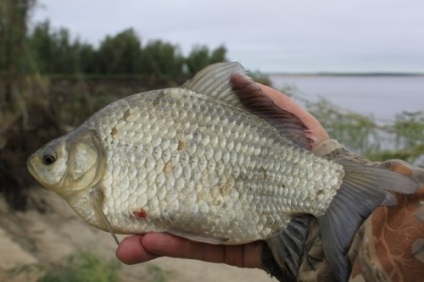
{"points": [[390, 244]]}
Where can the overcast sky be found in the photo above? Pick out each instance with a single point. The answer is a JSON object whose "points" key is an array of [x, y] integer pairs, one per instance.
{"points": [[265, 35]]}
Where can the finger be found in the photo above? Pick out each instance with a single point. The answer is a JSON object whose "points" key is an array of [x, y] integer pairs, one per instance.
{"points": [[318, 133], [167, 245], [131, 251]]}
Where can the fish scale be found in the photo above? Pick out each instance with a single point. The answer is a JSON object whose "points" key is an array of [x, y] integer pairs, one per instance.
{"points": [[214, 161]]}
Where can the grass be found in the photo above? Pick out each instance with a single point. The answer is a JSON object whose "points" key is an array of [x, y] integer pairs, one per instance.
{"points": [[84, 266], [157, 274]]}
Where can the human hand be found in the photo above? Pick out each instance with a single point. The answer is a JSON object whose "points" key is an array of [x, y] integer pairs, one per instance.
{"points": [[142, 248], [316, 131]]}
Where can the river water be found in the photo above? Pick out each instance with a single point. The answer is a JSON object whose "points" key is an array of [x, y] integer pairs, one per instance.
{"points": [[379, 96]]}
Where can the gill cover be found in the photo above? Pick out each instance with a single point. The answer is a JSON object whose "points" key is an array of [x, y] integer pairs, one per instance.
{"points": [[85, 159]]}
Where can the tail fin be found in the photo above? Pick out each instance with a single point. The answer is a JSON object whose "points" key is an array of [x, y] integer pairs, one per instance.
{"points": [[363, 189]]}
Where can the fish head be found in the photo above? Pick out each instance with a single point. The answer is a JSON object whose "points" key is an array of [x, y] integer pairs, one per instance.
{"points": [[70, 163]]}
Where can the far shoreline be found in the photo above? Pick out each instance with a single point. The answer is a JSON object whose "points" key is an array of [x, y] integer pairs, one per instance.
{"points": [[346, 74]]}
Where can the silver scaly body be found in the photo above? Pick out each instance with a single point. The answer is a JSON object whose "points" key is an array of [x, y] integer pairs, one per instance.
{"points": [[178, 161]]}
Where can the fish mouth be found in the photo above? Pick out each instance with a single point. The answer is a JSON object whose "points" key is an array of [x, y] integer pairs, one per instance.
{"points": [[30, 166]]}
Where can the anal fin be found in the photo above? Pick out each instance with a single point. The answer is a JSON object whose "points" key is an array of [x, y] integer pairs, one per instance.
{"points": [[288, 246]]}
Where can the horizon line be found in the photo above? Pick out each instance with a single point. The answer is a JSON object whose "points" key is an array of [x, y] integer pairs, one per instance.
{"points": [[345, 73]]}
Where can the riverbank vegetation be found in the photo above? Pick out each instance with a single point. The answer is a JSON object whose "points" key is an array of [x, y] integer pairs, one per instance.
{"points": [[401, 139]]}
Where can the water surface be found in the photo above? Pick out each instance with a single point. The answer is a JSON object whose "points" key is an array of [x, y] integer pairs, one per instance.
{"points": [[379, 96]]}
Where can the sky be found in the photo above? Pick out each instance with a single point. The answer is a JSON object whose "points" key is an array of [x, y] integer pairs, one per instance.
{"points": [[268, 35]]}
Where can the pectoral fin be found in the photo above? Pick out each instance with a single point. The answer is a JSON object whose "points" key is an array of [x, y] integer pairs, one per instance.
{"points": [[96, 201]]}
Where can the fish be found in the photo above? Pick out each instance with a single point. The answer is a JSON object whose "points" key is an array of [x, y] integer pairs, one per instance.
{"points": [[213, 161]]}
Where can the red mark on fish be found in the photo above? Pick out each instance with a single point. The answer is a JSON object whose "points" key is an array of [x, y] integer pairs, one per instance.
{"points": [[140, 213]]}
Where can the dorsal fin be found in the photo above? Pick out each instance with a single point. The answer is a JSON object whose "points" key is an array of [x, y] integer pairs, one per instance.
{"points": [[214, 80], [229, 83]]}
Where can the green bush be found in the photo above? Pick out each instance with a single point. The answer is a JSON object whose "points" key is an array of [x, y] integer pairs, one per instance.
{"points": [[402, 139]]}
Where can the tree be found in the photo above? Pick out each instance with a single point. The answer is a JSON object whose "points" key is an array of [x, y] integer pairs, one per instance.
{"points": [[120, 54], [218, 55], [41, 46], [13, 27], [87, 62], [65, 53], [53, 51], [161, 59], [201, 57]]}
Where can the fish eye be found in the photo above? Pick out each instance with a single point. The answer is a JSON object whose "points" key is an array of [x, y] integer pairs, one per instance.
{"points": [[49, 159]]}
